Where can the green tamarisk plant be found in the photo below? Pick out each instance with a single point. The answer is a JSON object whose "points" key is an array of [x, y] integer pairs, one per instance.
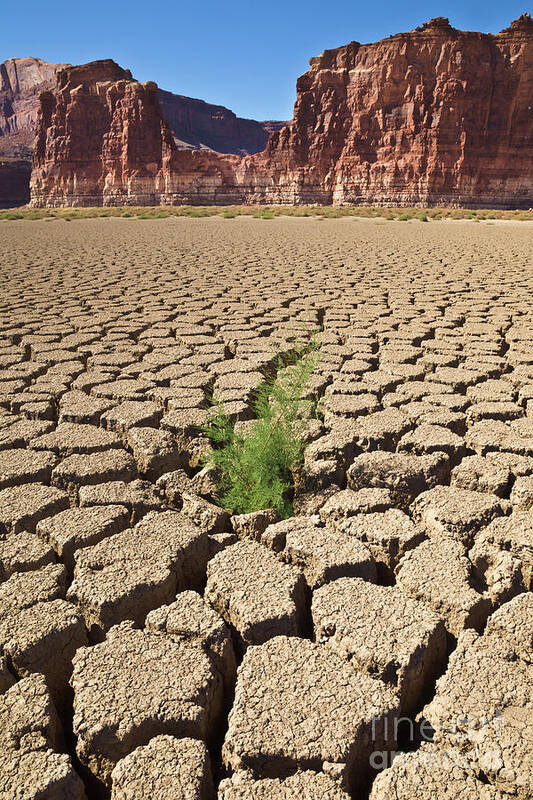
{"points": [[258, 468]]}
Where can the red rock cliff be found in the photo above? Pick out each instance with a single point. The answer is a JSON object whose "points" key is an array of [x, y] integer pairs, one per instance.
{"points": [[196, 124], [100, 138], [434, 116], [21, 81]]}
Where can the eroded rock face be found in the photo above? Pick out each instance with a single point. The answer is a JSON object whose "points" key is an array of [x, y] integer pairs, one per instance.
{"points": [[197, 124], [194, 124], [103, 139], [433, 116], [21, 81], [97, 114], [14, 182]]}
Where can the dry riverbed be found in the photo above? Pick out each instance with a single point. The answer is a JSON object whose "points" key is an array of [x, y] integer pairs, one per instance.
{"points": [[153, 646]]}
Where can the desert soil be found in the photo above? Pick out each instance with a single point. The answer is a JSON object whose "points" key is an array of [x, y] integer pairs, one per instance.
{"points": [[153, 646]]}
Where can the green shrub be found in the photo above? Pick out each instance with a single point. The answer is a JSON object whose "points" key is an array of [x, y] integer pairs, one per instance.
{"points": [[258, 469], [264, 212], [423, 217]]}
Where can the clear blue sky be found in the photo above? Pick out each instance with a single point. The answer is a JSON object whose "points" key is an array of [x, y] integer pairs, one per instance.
{"points": [[244, 55]]}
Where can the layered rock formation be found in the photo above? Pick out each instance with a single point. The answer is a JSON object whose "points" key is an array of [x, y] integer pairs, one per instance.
{"points": [[21, 81], [199, 125], [272, 125], [194, 124], [102, 139], [435, 116], [100, 133]]}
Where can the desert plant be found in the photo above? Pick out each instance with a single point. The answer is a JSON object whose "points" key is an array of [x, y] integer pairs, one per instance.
{"points": [[262, 212], [258, 469]]}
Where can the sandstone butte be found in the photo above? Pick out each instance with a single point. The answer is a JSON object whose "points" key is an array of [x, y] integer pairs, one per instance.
{"points": [[194, 123], [436, 116]]}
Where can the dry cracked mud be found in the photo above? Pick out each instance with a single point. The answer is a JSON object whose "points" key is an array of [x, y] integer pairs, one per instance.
{"points": [[379, 643]]}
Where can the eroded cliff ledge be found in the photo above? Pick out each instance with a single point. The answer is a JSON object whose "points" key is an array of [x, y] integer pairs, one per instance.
{"points": [[21, 81], [435, 116]]}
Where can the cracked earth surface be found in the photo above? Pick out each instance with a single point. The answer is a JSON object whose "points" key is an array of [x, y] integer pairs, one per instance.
{"points": [[152, 645]]}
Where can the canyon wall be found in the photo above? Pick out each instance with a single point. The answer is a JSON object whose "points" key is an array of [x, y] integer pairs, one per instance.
{"points": [[435, 116], [431, 117], [102, 140], [193, 123], [199, 125], [100, 134], [21, 81], [14, 182]]}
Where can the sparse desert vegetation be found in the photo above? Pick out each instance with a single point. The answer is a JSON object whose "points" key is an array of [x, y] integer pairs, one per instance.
{"points": [[258, 467], [264, 212]]}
